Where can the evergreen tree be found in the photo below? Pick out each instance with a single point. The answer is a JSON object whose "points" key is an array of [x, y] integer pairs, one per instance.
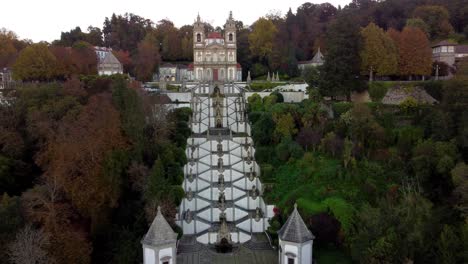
{"points": [[340, 72]]}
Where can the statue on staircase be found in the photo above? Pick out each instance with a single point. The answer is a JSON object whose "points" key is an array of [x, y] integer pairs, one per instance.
{"points": [[190, 194], [222, 201], [223, 241], [251, 175], [188, 216], [219, 148], [249, 157], [190, 178], [219, 117], [221, 182], [220, 165]]}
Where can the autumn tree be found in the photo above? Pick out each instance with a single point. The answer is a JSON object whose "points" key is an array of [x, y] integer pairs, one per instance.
{"points": [[30, 247], [379, 53], [418, 23], [167, 37], [84, 58], [185, 34], [45, 205], [124, 57], [35, 63], [8, 51], [95, 135], [415, 55], [64, 58], [437, 20], [147, 58], [261, 38]]}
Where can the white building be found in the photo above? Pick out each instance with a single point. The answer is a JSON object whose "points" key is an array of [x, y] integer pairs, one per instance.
{"points": [[317, 60], [108, 64], [449, 52], [160, 242], [295, 241]]}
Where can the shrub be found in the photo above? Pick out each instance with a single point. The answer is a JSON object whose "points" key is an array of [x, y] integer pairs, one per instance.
{"points": [[377, 90], [267, 171], [433, 88], [264, 153], [408, 105], [341, 108]]}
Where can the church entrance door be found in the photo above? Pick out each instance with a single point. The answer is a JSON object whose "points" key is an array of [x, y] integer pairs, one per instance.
{"points": [[215, 74]]}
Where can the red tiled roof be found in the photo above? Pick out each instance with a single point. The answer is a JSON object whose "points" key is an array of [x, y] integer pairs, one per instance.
{"points": [[214, 35]]}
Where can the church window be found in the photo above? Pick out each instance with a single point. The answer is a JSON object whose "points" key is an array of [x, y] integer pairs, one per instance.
{"points": [[291, 261], [230, 37], [221, 72], [198, 37]]}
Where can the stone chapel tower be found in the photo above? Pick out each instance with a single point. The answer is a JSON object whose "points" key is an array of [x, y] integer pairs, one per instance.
{"points": [[159, 244], [295, 241], [198, 33]]}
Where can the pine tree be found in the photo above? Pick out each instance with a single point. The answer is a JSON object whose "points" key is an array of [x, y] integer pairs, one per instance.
{"points": [[340, 72]]}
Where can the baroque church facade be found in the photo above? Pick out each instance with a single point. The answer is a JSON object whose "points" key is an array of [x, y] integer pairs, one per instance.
{"points": [[215, 54]]}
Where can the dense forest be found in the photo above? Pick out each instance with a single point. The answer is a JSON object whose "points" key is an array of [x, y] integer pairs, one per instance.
{"points": [[375, 183], [83, 165], [85, 160], [273, 43]]}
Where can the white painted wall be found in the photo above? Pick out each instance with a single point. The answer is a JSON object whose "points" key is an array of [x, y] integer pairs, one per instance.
{"points": [[306, 253], [150, 256], [166, 252], [292, 249]]}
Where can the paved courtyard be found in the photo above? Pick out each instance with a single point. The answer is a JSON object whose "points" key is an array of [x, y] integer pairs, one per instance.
{"points": [[242, 255], [256, 251]]}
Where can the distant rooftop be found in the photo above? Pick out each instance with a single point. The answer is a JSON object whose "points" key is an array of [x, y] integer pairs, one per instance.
{"points": [[214, 35]]}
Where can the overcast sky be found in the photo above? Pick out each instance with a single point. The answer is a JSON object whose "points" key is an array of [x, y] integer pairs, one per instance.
{"points": [[46, 19]]}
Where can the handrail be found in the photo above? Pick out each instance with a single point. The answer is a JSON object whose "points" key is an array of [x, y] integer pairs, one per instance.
{"points": [[269, 239]]}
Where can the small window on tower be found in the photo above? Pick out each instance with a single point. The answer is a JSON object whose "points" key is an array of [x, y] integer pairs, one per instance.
{"points": [[198, 37], [230, 37]]}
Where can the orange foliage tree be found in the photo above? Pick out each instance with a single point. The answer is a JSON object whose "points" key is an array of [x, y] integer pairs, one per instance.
{"points": [[75, 157], [415, 53]]}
